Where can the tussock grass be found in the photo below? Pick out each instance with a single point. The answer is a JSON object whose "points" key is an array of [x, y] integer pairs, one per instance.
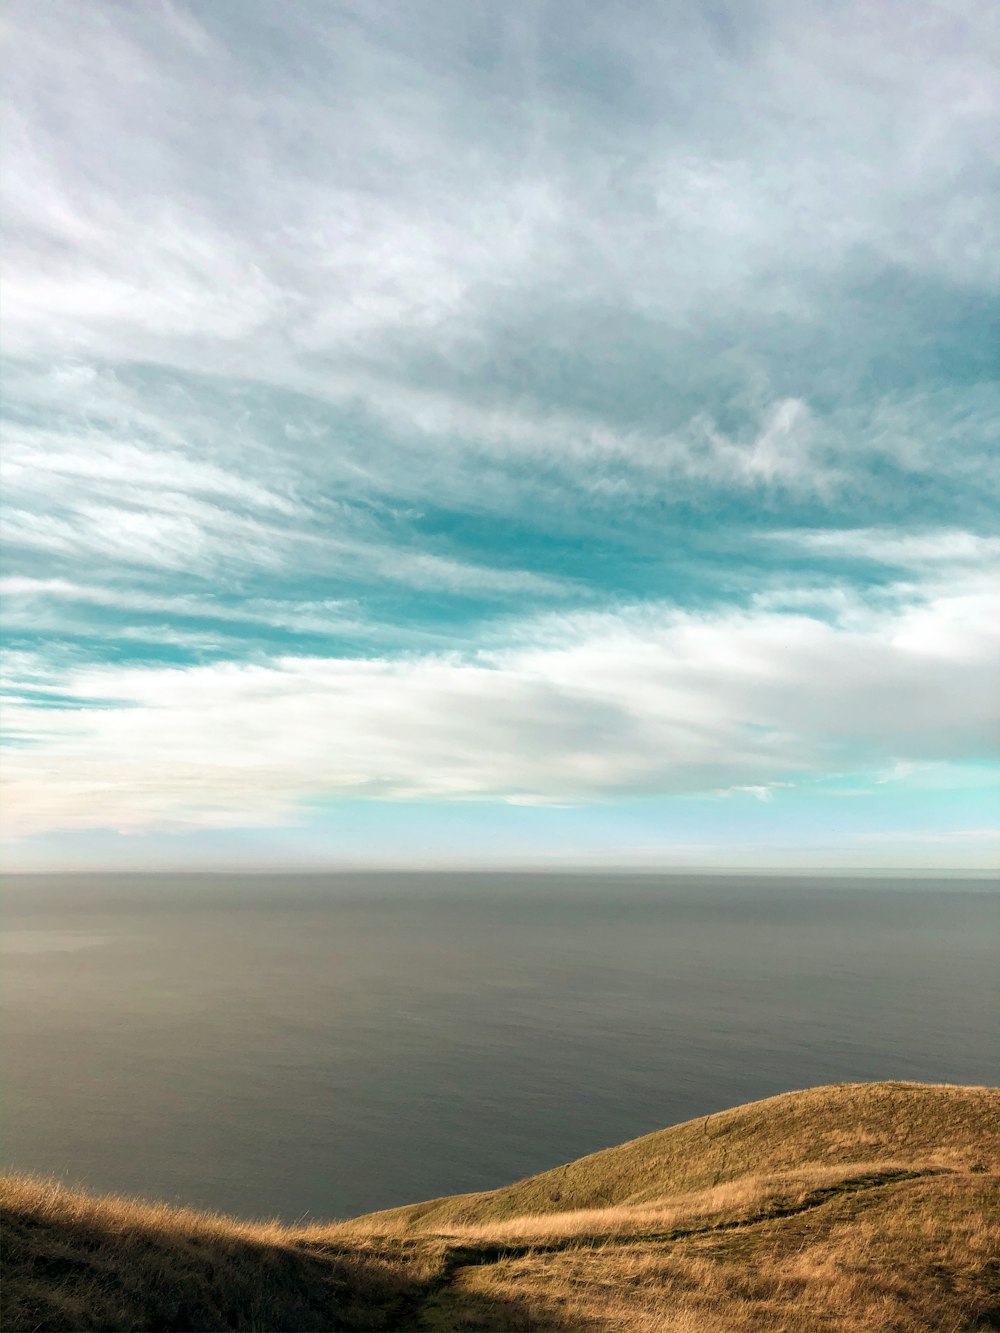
{"points": [[865, 1206]]}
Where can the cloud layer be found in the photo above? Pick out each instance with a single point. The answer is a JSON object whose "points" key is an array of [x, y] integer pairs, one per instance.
{"points": [[532, 404], [597, 707]]}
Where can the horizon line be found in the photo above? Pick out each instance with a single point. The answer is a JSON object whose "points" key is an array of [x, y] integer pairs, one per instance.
{"points": [[953, 872]]}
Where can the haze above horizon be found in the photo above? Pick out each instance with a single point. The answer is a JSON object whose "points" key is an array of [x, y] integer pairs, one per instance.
{"points": [[544, 434]]}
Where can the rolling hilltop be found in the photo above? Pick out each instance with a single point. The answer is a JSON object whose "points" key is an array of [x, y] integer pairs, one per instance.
{"points": [[863, 1206]]}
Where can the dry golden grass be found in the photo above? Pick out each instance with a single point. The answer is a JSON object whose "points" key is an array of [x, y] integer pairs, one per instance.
{"points": [[919, 1256], [74, 1262], [751, 1198], [847, 1208]]}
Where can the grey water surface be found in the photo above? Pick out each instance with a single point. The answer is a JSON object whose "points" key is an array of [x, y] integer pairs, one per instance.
{"points": [[325, 1045]]}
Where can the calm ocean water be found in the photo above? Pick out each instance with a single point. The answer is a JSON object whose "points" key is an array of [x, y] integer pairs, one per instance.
{"points": [[326, 1045]]}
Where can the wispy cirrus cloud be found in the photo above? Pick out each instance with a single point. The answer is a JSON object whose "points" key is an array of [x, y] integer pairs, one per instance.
{"points": [[906, 549], [434, 214]]}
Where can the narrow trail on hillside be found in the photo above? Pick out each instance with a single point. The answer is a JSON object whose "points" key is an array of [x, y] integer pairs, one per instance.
{"points": [[410, 1314]]}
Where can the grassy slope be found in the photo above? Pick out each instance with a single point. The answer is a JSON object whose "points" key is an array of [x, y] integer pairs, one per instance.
{"points": [[904, 1123], [850, 1207], [916, 1257], [74, 1262]]}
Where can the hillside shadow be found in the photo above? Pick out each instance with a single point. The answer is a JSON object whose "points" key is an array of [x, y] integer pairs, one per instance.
{"points": [[75, 1275]]}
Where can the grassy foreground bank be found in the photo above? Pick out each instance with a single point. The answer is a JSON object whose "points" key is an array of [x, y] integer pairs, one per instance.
{"points": [[860, 1206]]}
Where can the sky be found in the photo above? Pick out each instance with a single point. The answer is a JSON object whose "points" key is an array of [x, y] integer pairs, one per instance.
{"points": [[548, 434]]}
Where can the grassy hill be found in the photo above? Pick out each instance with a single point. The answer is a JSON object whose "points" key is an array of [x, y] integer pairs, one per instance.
{"points": [[865, 1206]]}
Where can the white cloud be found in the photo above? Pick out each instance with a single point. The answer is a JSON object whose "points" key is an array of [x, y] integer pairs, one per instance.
{"points": [[272, 298], [41, 603], [657, 702], [903, 547], [133, 493], [395, 212], [49, 461], [186, 535]]}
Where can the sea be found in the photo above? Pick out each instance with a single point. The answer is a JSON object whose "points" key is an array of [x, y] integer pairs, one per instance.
{"points": [[319, 1046]]}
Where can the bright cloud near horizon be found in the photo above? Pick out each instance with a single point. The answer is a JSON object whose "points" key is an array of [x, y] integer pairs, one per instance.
{"points": [[465, 434]]}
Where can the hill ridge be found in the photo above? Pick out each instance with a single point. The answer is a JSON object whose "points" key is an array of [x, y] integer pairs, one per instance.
{"points": [[876, 1112]]}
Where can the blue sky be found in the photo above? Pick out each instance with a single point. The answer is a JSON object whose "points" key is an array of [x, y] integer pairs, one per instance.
{"points": [[529, 434]]}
